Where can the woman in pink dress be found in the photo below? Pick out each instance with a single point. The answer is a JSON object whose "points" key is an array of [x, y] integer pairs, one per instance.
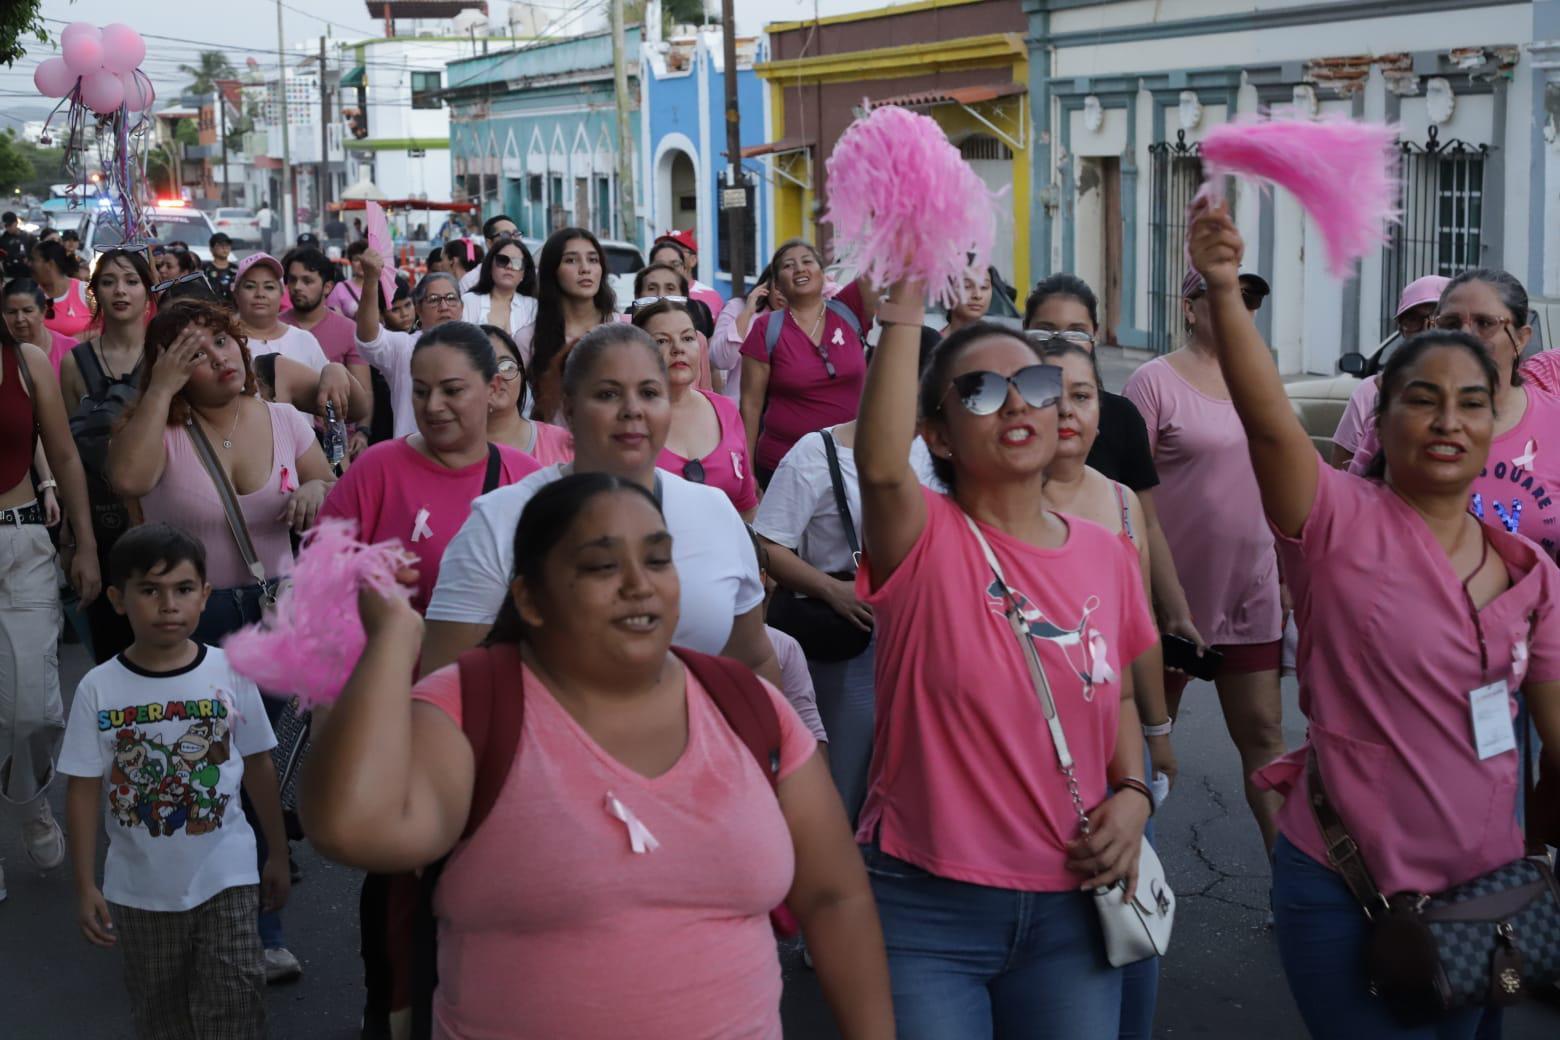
{"points": [[55, 268], [1212, 518]]}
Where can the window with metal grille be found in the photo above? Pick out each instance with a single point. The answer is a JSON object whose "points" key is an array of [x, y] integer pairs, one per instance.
{"points": [[1175, 174], [983, 146], [1442, 229], [749, 238], [533, 188], [425, 87]]}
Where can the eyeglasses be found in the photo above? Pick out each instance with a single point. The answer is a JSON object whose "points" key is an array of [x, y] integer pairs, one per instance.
{"points": [[194, 284], [509, 369], [442, 300], [647, 301], [1044, 337], [1485, 326], [693, 471], [983, 393]]}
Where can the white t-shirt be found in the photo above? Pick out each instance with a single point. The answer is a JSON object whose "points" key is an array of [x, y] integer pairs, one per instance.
{"points": [[478, 310], [710, 547], [170, 748], [391, 353], [468, 281], [297, 344], [798, 510]]}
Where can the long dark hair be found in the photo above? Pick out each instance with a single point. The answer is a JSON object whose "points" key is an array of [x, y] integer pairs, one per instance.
{"points": [[935, 377], [137, 261], [56, 253], [547, 340], [1402, 359], [527, 286], [543, 523], [513, 349]]}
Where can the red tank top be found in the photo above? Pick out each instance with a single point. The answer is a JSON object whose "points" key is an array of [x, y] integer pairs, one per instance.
{"points": [[16, 422]]}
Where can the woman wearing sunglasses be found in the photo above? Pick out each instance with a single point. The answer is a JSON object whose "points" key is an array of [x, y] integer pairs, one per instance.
{"points": [[706, 442], [505, 293], [974, 845], [549, 445], [803, 366], [1212, 515], [616, 401], [1514, 490]]}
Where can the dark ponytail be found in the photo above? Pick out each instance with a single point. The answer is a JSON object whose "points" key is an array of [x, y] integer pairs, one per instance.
{"points": [[543, 524]]}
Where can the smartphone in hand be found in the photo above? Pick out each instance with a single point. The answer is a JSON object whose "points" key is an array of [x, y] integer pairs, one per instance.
{"points": [[1181, 654]]}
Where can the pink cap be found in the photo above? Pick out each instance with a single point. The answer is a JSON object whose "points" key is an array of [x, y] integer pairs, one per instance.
{"points": [[1421, 290], [255, 259]]}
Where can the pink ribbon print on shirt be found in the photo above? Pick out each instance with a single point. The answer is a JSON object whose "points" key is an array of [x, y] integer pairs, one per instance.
{"points": [[1084, 647], [639, 837]]}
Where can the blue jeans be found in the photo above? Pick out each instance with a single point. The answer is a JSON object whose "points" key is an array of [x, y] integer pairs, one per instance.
{"points": [[973, 962], [227, 611], [1321, 941], [845, 707]]}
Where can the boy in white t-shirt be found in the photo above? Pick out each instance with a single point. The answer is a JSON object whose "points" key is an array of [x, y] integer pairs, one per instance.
{"points": [[173, 731]]}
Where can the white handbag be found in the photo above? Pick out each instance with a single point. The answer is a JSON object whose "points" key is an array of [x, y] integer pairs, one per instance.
{"points": [[1134, 929]]}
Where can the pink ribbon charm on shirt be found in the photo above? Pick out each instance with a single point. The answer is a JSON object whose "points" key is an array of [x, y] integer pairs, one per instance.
{"points": [[1529, 453], [639, 837]]}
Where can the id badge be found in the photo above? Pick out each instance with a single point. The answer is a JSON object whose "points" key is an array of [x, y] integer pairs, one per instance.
{"points": [[1493, 733]]}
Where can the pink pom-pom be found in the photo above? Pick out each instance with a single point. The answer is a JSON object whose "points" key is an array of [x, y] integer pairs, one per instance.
{"points": [[1343, 173], [905, 204], [314, 637]]}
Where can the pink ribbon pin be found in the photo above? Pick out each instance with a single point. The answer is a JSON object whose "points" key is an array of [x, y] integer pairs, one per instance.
{"points": [[639, 837]]}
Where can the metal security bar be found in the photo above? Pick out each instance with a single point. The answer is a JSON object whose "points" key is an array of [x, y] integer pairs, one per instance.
{"points": [[1176, 171], [1443, 217]]}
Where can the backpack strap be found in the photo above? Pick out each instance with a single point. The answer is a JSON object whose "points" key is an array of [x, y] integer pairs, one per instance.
{"points": [[90, 368], [838, 308], [744, 703], [492, 709], [774, 321]]}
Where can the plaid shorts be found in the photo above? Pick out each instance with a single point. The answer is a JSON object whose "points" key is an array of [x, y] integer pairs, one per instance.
{"points": [[195, 974]]}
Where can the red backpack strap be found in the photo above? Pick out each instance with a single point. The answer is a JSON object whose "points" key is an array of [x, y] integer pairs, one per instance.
{"points": [[492, 707], [745, 704]]}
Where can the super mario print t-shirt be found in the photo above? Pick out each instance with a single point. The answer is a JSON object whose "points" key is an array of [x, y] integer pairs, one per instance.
{"points": [[170, 749]]}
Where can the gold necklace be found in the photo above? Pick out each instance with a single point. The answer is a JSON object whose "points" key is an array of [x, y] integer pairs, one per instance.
{"points": [[227, 442], [813, 335]]}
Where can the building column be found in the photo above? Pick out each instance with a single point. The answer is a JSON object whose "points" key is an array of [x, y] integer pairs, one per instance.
{"points": [[1543, 275]]}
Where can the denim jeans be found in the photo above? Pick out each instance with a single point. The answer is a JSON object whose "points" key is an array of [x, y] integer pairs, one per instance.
{"points": [[845, 707], [226, 612], [1321, 941], [973, 962]]}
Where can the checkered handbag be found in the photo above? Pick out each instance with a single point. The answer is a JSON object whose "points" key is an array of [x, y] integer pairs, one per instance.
{"points": [[292, 744]]}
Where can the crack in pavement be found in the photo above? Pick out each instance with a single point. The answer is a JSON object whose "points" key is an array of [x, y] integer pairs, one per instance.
{"points": [[1206, 859]]}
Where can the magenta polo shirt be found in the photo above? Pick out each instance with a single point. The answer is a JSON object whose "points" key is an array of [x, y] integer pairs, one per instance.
{"points": [[1388, 654], [802, 395], [964, 781], [727, 466]]}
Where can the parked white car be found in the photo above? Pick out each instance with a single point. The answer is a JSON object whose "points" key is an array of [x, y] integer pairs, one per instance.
{"points": [[623, 262], [239, 224]]}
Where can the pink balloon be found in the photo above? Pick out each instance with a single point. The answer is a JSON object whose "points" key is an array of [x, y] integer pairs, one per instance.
{"points": [[102, 92], [53, 77], [123, 48], [83, 53], [75, 29], [139, 94]]}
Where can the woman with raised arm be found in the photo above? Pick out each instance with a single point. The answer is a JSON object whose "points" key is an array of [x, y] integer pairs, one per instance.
{"points": [[975, 847], [437, 299], [677, 847], [1389, 703]]}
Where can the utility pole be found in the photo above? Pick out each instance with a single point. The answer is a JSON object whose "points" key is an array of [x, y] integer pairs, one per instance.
{"points": [[322, 178], [289, 215], [735, 214], [625, 148], [222, 129]]}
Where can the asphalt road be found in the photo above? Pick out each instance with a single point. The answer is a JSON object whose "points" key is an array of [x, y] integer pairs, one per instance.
{"points": [[1221, 978]]}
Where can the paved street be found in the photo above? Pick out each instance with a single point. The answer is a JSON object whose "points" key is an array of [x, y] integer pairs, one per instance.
{"points": [[1221, 980]]}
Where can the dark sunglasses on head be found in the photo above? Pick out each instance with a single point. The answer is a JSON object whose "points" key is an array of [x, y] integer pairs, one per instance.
{"points": [[194, 285], [693, 471], [641, 302], [983, 393]]}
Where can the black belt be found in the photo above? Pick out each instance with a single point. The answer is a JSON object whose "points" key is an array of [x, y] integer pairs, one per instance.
{"points": [[32, 513]]}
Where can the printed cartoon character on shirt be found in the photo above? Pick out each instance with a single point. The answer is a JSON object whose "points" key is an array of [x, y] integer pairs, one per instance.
{"points": [[1084, 647], [123, 802], [170, 789], [1527, 494], [200, 753]]}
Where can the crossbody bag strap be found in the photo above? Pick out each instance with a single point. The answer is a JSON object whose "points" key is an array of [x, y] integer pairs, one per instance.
{"points": [[1037, 676], [490, 478], [1342, 851], [225, 491], [840, 502]]}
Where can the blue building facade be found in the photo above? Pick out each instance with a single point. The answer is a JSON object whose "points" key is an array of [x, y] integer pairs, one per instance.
{"points": [[683, 149], [533, 133]]}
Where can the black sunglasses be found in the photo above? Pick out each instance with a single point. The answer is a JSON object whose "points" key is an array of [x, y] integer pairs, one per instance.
{"points": [[693, 471], [503, 260], [194, 285], [983, 393]]}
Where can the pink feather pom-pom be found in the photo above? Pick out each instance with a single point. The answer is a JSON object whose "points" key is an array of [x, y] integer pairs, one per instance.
{"points": [[1344, 174], [905, 204], [314, 637]]}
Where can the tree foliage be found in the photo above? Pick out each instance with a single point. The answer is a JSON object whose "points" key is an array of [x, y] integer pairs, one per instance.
{"points": [[28, 167], [209, 67], [18, 18]]}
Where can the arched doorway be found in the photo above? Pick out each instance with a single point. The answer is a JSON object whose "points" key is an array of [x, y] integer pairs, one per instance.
{"points": [[677, 191], [992, 161]]}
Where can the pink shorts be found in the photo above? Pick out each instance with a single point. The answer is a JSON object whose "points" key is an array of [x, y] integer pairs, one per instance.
{"points": [[1239, 659]]}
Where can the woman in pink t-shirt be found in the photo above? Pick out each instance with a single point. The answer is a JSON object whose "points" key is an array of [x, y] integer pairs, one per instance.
{"points": [[621, 883], [55, 268], [418, 489], [974, 845], [1212, 518], [549, 445], [1412, 616], [706, 443], [812, 376]]}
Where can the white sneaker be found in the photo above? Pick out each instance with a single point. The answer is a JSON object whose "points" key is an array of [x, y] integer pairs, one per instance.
{"points": [[281, 966], [43, 838]]}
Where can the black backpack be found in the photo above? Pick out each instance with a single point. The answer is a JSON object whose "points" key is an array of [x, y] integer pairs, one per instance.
{"points": [[92, 425]]}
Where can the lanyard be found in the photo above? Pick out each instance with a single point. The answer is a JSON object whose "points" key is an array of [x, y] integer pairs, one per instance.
{"points": [[1473, 610]]}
